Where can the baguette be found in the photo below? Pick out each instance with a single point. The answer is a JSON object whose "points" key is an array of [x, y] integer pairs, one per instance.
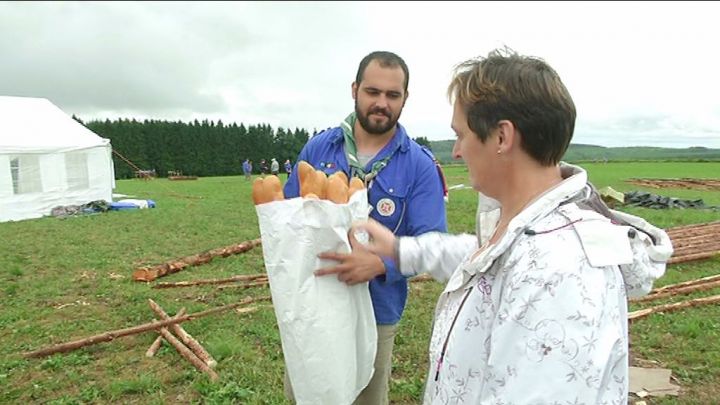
{"points": [[305, 177], [272, 182], [260, 194], [337, 188], [320, 184], [267, 190], [355, 184]]}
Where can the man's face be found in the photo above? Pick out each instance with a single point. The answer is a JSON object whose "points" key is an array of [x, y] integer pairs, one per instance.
{"points": [[379, 98]]}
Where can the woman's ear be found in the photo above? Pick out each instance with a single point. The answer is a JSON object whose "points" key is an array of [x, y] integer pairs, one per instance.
{"points": [[507, 136]]}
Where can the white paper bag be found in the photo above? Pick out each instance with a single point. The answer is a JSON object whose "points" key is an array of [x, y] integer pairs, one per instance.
{"points": [[327, 328]]}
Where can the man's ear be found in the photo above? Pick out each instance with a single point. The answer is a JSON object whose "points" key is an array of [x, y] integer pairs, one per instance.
{"points": [[354, 89], [507, 136], [407, 94]]}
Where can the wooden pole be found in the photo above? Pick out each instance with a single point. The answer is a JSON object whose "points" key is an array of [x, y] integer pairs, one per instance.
{"points": [[691, 257], [679, 291], [185, 337], [158, 341], [686, 284], [154, 325], [188, 354], [673, 307], [173, 266], [233, 279], [245, 285]]}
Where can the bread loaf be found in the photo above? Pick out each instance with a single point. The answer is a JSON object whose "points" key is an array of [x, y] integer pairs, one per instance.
{"points": [[337, 188], [305, 177], [320, 185], [267, 189], [342, 175], [272, 182], [355, 185], [314, 184]]}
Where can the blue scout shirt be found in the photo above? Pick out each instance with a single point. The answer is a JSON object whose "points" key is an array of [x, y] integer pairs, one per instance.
{"points": [[406, 197]]}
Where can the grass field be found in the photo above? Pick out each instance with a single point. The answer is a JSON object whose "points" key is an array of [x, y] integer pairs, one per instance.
{"points": [[64, 279]]}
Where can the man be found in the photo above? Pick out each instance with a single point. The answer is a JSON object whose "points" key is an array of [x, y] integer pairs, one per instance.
{"points": [[247, 169], [288, 168], [404, 190], [274, 167]]}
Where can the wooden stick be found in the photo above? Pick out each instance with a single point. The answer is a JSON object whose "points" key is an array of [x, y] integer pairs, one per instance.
{"points": [[188, 354], [680, 228], [154, 347], [158, 341], [692, 257], [173, 266], [154, 325], [212, 281], [673, 307], [686, 283], [679, 291], [245, 285], [185, 337]]}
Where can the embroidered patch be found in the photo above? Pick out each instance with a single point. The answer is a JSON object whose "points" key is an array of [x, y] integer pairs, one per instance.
{"points": [[385, 207], [330, 165]]}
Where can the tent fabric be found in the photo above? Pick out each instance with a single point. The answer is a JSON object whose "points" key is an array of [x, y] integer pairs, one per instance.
{"points": [[48, 159]]}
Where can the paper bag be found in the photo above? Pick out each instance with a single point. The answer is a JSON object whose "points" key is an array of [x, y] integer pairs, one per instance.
{"points": [[327, 328]]}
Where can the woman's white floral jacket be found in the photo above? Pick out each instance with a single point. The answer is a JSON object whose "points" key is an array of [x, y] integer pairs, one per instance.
{"points": [[541, 316]]}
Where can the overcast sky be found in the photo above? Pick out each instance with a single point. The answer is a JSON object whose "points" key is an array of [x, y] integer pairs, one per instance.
{"points": [[641, 74]]}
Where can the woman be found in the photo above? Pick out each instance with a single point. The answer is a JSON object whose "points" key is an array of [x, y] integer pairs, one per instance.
{"points": [[535, 307]]}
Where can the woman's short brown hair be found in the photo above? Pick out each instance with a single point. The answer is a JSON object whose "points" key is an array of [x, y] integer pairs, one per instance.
{"points": [[521, 89]]}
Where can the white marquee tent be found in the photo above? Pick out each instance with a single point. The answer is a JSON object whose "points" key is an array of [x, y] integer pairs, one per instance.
{"points": [[47, 159]]}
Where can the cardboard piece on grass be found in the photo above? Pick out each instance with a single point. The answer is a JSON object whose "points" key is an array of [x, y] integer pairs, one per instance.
{"points": [[654, 382], [327, 328]]}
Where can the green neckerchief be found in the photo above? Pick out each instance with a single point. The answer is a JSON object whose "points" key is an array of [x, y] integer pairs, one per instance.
{"points": [[356, 169]]}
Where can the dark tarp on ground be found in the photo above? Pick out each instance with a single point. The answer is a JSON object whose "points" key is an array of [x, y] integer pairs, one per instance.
{"points": [[648, 200]]}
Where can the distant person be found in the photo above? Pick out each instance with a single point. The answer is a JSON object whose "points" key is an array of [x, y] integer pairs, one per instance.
{"points": [[274, 167], [288, 168], [247, 169], [404, 187], [264, 169], [535, 306]]}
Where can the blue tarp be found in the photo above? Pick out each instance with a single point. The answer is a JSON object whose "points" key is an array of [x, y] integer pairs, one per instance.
{"points": [[131, 204]]}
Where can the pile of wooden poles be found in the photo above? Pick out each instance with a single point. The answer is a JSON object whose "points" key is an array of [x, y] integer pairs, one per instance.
{"points": [[694, 242], [185, 344]]}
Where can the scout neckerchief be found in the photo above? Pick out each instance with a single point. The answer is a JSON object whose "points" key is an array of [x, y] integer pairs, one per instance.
{"points": [[356, 169]]}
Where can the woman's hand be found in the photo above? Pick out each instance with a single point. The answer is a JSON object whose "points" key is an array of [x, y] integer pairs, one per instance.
{"points": [[382, 240], [358, 266]]}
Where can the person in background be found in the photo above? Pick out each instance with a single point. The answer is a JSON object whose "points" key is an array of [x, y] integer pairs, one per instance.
{"points": [[535, 306], [264, 169], [274, 167], [247, 169], [404, 190], [288, 168]]}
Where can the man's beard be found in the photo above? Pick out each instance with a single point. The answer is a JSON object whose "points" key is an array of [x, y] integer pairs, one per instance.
{"points": [[372, 128]]}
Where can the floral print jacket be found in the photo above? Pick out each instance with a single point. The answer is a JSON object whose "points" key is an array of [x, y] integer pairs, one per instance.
{"points": [[540, 317]]}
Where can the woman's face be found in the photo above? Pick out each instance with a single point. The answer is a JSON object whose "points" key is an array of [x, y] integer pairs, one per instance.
{"points": [[480, 158]]}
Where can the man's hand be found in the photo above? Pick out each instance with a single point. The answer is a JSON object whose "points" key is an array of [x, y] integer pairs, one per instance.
{"points": [[355, 267]]}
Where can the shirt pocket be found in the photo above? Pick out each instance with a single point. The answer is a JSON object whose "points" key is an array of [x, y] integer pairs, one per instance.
{"points": [[388, 199]]}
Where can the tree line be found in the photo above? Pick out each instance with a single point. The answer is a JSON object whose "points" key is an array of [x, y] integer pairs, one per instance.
{"points": [[195, 148]]}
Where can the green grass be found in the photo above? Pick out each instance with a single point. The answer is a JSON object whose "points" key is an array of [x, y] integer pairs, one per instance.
{"points": [[59, 282]]}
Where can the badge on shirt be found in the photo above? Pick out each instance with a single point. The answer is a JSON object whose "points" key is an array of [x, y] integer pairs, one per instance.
{"points": [[385, 207]]}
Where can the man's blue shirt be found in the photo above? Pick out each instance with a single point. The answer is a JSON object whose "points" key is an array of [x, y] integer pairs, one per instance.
{"points": [[406, 197]]}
